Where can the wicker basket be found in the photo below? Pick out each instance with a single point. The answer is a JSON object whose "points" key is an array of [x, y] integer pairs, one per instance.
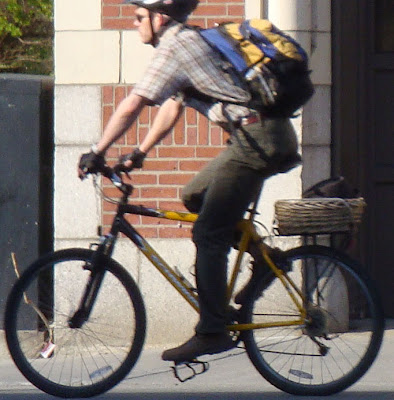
{"points": [[318, 215]]}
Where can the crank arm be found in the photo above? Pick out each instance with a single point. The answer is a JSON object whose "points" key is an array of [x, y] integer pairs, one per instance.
{"points": [[323, 349]]}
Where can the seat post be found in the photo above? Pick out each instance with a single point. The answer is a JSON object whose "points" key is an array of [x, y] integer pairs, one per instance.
{"points": [[253, 205]]}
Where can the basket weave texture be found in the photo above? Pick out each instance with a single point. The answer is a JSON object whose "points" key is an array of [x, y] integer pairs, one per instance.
{"points": [[318, 215]]}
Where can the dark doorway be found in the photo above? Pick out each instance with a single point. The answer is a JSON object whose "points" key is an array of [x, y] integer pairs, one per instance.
{"points": [[363, 125]]}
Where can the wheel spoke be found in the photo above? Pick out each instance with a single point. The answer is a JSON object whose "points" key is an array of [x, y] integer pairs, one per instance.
{"points": [[87, 360], [327, 354]]}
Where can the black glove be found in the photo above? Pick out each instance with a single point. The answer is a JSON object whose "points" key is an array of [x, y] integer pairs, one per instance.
{"points": [[137, 157], [90, 163]]}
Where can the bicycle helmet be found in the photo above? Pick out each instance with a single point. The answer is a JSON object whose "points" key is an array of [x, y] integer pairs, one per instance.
{"points": [[176, 9]]}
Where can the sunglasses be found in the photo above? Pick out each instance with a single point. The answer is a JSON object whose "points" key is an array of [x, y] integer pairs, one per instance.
{"points": [[141, 17]]}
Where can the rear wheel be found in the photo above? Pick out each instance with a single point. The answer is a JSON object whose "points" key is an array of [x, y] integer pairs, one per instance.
{"points": [[62, 359], [341, 334]]}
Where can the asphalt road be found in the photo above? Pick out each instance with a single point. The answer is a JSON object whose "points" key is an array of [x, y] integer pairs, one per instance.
{"points": [[231, 377]]}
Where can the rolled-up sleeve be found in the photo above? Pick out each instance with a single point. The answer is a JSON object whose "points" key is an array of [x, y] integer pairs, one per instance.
{"points": [[163, 77], [186, 64]]}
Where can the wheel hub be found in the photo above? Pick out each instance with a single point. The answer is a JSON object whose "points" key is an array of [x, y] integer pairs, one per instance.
{"points": [[317, 322]]}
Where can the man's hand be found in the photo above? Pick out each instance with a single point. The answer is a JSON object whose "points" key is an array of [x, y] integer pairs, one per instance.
{"points": [[90, 163], [133, 160]]}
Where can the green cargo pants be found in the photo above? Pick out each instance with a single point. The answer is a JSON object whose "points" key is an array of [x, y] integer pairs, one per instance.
{"points": [[221, 194]]}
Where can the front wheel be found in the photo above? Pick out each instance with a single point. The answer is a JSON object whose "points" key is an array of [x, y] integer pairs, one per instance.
{"points": [[341, 332], [53, 354]]}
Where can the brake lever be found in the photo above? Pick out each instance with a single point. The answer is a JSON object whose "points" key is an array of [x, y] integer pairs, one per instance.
{"points": [[82, 173], [118, 168]]}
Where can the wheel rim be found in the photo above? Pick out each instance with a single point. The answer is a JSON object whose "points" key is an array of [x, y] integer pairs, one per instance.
{"points": [[337, 342], [50, 353]]}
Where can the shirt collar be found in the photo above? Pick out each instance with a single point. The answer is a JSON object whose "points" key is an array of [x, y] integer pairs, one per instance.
{"points": [[170, 30]]}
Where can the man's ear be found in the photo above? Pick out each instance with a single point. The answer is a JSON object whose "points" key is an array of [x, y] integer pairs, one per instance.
{"points": [[164, 19]]}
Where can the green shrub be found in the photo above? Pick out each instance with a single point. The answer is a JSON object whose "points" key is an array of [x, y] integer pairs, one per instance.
{"points": [[26, 36]]}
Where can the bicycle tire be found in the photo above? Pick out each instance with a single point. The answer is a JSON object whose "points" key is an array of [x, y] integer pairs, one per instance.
{"points": [[74, 362], [338, 342]]}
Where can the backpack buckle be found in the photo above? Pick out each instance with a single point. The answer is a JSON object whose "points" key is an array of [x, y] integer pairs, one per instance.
{"points": [[253, 118]]}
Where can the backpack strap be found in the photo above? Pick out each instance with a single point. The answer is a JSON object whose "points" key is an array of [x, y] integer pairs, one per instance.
{"points": [[221, 42]]}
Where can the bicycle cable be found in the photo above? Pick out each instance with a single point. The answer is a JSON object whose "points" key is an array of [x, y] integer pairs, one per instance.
{"points": [[100, 192]]}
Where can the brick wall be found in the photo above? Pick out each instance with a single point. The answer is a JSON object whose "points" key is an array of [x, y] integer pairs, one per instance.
{"points": [[193, 142]]}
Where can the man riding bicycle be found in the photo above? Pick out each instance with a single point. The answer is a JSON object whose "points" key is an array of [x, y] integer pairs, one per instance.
{"points": [[186, 71]]}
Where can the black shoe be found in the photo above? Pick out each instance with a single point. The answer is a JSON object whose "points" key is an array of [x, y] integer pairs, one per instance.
{"points": [[198, 345]]}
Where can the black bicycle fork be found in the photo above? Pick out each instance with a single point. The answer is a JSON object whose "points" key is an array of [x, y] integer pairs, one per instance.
{"points": [[97, 272]]}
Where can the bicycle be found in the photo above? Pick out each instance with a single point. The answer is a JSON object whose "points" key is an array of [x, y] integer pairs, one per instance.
{"points": [[57, 334]]}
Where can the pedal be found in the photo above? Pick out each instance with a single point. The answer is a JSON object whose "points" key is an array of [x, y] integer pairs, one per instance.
{"points": [[195, 367]]}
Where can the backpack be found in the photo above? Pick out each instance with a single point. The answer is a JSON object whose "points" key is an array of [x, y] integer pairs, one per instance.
{"points": [[272, 65], [332, 187]]}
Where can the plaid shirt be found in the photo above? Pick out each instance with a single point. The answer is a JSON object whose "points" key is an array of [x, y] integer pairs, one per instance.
{"points": [[184, 64]]}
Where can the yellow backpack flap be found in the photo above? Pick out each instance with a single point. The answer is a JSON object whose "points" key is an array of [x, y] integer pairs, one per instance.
{"points": [[268, 42], [285, 45], [274, 65]]}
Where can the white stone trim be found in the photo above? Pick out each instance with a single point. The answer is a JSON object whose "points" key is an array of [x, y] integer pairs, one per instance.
{"points": [[77, 114], [90, 57], [291, 15], [309, 22], [77, 15], [320, 59], [253, 9], [135, 57], [77, 209]]}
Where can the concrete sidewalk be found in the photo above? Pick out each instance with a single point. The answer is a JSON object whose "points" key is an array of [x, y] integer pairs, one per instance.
{"points": [[231, 376]]}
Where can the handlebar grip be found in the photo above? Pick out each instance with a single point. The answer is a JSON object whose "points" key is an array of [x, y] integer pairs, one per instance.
{"points": [[113, 174], [107, 171]]}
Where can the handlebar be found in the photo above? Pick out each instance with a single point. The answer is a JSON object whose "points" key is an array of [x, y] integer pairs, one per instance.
{"points": [[114, 175]]}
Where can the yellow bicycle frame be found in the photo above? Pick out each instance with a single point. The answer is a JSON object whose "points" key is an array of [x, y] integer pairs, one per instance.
{"points": [[248, 233]]}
